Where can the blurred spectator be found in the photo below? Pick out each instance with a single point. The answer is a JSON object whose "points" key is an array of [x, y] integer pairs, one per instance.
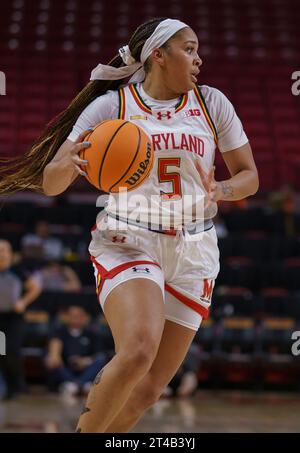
{"points": [[41, 245], [58, 277], [2, 387], [74, 356], [17, 291], [285, 202], [220, 226], [185, 382], [101, 328], [230, 206]]}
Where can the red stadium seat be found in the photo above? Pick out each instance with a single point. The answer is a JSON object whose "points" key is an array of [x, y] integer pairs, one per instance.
{"points": [[48, 56]]}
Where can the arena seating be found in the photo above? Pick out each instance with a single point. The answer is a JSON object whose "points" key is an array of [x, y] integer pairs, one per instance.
{"points": [[249, 52], [256, 302]]}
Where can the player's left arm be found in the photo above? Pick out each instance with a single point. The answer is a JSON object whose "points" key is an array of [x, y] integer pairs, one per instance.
{"points": [[244, 179]]}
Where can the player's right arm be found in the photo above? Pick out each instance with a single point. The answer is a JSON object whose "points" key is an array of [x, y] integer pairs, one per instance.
{"points": [[64, 168]]}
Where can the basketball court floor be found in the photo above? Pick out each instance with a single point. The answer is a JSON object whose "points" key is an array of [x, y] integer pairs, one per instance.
{"points": [[207, 411]]}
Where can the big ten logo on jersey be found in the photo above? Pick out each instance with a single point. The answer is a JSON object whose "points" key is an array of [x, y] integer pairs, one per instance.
{"points": [[191, 112], [208, 286]]}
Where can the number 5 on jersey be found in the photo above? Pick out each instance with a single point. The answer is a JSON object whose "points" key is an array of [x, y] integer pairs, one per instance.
{"points": [[174, 177]]}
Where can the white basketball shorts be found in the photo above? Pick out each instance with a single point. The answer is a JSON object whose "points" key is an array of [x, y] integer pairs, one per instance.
{"points": [[185, 270]]}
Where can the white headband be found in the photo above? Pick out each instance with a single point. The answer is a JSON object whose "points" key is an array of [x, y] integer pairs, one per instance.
{"points": [[161, 34]]}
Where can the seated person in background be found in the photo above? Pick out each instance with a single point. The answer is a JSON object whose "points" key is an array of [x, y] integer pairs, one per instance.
{"points": [[220, 227], [74, 356], [106, 339], [58, 277], [185, 382], [17, 291], [40, 245]]}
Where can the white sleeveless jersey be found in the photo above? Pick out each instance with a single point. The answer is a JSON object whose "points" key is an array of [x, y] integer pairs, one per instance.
{"points": [[179, 136], [173, 193]]}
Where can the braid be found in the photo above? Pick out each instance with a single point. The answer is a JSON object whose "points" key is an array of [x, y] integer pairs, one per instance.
{"points": [[26, 171]]}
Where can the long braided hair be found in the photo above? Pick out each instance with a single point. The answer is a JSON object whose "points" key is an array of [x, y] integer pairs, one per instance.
{"points": [[26, 171]]}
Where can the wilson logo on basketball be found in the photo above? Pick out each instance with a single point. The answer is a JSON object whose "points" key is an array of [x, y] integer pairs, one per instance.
{"points": [[207, 289], [119, 151], [142, 166]]}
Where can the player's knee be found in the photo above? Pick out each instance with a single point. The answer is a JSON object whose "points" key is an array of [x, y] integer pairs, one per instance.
{"points": [[139, 358]]}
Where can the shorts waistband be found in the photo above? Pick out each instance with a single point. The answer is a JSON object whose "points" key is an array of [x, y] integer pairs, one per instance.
{"points": [[191, 229]]}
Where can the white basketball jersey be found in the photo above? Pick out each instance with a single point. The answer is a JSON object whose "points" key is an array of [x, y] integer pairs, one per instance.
{"points": [[180, 136]]}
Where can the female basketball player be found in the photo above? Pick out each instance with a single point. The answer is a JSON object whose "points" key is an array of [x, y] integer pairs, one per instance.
{"points": [[154, 287]]}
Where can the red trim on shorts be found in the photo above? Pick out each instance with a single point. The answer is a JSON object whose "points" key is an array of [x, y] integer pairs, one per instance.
{"points": [[170, 232], [204, 312], [105, 274]]}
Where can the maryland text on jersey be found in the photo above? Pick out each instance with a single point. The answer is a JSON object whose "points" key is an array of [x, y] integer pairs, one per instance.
{"points": [[180, 141]]}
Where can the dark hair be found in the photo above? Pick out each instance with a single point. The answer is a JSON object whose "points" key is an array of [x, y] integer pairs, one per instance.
{"points": [[26, 171]]}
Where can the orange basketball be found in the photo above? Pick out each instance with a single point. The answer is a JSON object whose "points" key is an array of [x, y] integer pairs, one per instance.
{"points": [[120, 155]]}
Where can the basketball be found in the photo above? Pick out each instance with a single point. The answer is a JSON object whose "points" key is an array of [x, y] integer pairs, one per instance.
{"points": [[120, 155]]}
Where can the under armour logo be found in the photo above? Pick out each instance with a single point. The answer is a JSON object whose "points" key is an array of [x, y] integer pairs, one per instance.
{"points": [[164, 115], [119, 239], [139, 269]]}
